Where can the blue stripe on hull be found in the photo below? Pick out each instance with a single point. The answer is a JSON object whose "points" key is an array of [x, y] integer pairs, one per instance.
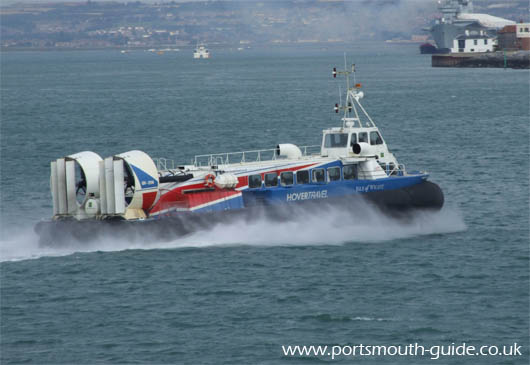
{"points": [[231, 203], [295, 193]]}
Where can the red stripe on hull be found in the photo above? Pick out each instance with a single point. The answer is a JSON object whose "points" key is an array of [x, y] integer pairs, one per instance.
{"points": [[148, 200], [196, 199], [174, 199]]}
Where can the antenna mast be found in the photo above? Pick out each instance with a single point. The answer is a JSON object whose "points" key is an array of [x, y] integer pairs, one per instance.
{"points": [[353, 95]]}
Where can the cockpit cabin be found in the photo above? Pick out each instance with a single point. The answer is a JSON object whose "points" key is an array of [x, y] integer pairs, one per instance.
{"points": [[340, 142]]}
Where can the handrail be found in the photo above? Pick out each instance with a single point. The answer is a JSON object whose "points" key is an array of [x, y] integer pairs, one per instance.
{"points": [[398, 169], [226, 158], [163, 164]]}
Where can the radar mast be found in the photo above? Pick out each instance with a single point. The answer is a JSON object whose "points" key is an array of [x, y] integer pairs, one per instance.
{"points": [[352, 108]]}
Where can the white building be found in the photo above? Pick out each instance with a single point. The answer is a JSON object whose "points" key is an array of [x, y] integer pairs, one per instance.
{"points": [[522, 32], [473, 42]]}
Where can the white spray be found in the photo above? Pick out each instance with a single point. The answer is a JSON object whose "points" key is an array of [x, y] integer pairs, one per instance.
{"points": [[329, 227]]}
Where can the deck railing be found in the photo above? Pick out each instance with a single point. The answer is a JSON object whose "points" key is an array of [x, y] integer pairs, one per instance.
{"points": [[261, 155], [163, 164], [395, 170], [217, 159]]}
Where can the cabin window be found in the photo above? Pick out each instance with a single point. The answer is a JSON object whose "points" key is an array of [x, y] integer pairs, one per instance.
{"points": [[334, 173], [271, 179], [363, 137], [353, 139], [287, 178], [254, 181], [485, 41], [302, 177], [334, 140], [475, 42], [375, 138], [349, 172], [319, 176]]}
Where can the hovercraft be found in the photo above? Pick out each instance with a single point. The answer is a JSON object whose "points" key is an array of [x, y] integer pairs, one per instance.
{"points": [[138, 195]]}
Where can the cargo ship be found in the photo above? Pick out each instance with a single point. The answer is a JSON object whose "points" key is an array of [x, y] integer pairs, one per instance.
{"points": [[137, 195]]}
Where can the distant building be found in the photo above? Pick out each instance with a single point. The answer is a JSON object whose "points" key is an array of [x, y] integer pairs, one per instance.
{"points": [[473, 42], [506, 39], [514, 37], [419, 38], [457, 19], [522, 33]]}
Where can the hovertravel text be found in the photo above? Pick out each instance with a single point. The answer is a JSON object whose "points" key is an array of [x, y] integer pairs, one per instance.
{"points": [[321, 194]]}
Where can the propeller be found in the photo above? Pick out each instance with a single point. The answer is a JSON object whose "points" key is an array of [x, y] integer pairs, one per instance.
{"points": [[80, 184]]}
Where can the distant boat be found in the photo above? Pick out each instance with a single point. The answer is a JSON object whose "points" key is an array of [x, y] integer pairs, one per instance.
{"points": [[124, 51], [201, 52], [428, 48]]}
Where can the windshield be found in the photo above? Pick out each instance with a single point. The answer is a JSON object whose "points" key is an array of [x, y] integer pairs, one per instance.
{"points": [[333, 140]]}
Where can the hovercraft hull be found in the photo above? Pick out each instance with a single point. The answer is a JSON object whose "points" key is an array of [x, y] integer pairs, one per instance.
{"points": [[397, 203], [133, 196]]}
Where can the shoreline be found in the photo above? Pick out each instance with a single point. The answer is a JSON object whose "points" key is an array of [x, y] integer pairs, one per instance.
{"points": [[499, 59]]}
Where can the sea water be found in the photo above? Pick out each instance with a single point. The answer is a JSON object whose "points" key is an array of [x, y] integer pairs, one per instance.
{"points": [[236, 293]]}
